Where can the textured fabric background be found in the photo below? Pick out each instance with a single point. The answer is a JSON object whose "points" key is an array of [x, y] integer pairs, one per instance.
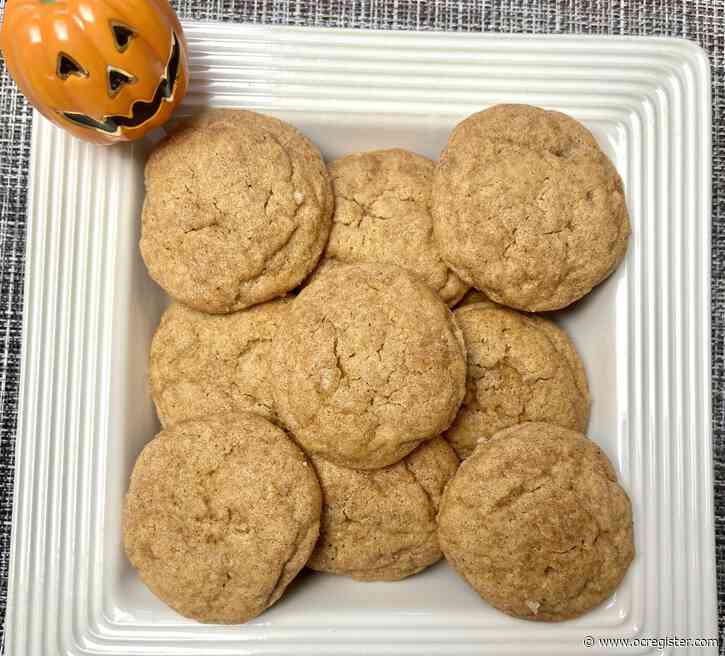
{"points": [[701, 21]]}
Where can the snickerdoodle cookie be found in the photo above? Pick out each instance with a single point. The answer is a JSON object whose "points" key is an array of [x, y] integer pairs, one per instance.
{"points": [[382, 214], [370, 365], [238, 210], [537, 524], [520, 368], [220, 515], [528, 208], [380, 525], [287, 135], [204, 364]]}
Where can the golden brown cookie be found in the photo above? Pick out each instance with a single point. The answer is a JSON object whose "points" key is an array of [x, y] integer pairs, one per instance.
{"points": [[380, 525], [220, 515], [287, 135], [537, 524], [371, 365], [520, 368], [528, 208], [204, 364], [382, 214], [238, 210]]}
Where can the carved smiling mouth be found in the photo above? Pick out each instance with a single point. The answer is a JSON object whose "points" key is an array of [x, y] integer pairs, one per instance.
{"points": [[141, 110]]}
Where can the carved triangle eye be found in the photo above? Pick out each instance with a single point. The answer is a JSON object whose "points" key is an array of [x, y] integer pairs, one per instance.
{"points": [[122, 36], [68, 66], [118, 78]]}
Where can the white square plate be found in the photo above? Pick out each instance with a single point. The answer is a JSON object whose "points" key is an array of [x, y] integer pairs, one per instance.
{"points": [[90, 310]]}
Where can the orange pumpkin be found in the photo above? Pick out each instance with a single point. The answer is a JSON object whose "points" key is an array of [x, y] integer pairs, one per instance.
{"points": [[105, 70]]}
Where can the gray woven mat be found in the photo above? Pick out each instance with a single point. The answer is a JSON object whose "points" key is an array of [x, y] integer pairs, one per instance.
{"points": [[701, 21]]}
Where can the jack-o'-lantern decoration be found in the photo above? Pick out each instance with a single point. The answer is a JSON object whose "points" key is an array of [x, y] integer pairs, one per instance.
{"points": [[105, 70]]}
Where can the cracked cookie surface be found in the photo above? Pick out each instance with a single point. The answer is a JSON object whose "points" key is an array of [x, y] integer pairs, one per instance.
{"points": [[520, 368], [220, 516], [380, 525], [474, 296], [382, 214], [238, 209], [537, 524], [371, 365], [528, 208], [203, 364]]}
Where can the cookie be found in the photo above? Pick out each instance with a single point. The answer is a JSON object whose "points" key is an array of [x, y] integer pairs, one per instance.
{"points": [[371, 365], [382, 214], [537, 524], [527, 207], [380, 525], [220, 515], [238, 209], [520, 368], [204, 364], [287, 135]]}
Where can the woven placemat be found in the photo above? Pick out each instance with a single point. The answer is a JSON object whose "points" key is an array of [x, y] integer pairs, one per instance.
{"points": [[703, 22]]}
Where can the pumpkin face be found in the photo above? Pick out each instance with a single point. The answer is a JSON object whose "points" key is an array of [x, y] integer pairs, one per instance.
{"points": [[105, 70]]}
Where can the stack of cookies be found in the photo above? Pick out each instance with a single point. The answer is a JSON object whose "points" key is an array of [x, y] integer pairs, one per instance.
{"points": [[321, 402]]}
